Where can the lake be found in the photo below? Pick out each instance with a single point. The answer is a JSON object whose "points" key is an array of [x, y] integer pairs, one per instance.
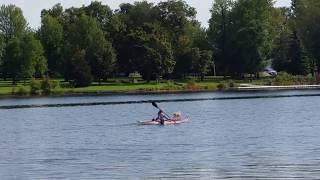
{"points": [[246, 138]]}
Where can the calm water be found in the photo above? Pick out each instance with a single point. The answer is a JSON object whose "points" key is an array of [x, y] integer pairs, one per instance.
{"points": [[272, 138]]}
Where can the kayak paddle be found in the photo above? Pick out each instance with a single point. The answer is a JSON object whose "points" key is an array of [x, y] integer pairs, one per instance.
{"points": [[156, 106]]}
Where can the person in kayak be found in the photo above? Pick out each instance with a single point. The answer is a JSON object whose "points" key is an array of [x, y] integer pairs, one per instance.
{"points": [[162, 117], [176, 116]]}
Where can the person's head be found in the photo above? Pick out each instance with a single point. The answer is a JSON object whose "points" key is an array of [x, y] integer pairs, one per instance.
{"points": [[177, 114]]}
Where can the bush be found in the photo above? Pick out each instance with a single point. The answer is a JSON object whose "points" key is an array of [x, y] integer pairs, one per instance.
{"points": [[170, 86], [50, 87], [80, 71], [35, 87], [46, 86], [284, 78], [221, 86], [191, 85], [20, 90], [231, 84]]}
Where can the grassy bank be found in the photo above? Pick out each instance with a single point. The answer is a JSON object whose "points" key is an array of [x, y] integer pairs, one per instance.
{"points": [[21, 88], [35, 88]]}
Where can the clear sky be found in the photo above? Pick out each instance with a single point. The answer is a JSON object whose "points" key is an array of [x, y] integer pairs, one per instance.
{"points": [[32, 8]]}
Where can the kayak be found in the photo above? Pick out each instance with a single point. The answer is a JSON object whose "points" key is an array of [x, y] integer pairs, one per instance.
{"points": [[167, 122]]}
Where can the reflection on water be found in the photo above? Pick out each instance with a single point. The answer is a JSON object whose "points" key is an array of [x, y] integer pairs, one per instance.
{"points": [[239, 139]]}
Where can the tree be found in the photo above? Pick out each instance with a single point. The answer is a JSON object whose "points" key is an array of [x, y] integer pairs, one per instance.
{"points": [[12, 65], [251, 35], [12, 22], [219, 33], [134, 19], [102, 13], [204, 63], [24, 58], [35, 63], [151, 54], [289, 54], [298, 61], [175, 15], [56, 12], [307, 18], [99, 53], [79, 70], [177, 18], [102, 57], [2, 48], [280, 52], [51, 35]]}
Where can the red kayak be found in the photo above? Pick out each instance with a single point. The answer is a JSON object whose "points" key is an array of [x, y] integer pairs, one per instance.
{"points": [[167, 122]]}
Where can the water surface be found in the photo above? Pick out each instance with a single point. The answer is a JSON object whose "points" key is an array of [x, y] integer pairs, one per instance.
{"points": [[272, 138]]}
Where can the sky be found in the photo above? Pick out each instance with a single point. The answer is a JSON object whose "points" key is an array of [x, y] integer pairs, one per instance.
{"points": [[32, 8]]}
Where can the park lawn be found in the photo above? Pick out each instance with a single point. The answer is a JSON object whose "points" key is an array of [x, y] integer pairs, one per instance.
{"points": [[115, 87], [5, 90], [144, 87], [6, 87]]}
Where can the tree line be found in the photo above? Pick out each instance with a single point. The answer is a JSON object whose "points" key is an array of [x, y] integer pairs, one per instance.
{"points": [[164, 40]]}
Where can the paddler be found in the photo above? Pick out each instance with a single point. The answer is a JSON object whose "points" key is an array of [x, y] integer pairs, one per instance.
{"points": [[162, 117]]}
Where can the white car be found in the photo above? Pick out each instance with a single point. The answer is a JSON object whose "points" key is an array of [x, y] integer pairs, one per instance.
{"points": [[271, 72]]}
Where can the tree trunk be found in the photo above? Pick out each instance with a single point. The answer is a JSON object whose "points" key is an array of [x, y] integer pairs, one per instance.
{"points": [[14, 80], [202, 76]]}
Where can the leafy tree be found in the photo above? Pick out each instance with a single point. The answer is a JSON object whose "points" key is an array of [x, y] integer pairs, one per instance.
{"points": [[35, 63], [280, 52], [177, 19], [79, 70], [24, 58], [175, 15], [204, 63], [185, 63], [51, 35], [251, 37], [99, 53], [298, 61], [307, 24], [13, 56], [101, 57], [200, 37], [12, 22], [56, 12], [151, 54], [219, 33], [2, 48], [289, 54], [102, 13], [132, 19]]}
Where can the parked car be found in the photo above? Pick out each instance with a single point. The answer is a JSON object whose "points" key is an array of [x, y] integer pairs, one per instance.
{"points": [[271, 71]]}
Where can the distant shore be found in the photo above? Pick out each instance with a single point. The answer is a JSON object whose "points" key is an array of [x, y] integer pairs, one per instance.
{"points": [[241, 88]]}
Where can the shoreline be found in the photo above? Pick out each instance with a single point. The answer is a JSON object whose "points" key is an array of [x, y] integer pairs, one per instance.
{"points": [[243, 88], [108, 93], [250, 87]]}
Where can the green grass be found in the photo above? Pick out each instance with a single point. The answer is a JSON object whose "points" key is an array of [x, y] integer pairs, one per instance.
{"points": [[116, 85], [5, 90], [141, 87]]}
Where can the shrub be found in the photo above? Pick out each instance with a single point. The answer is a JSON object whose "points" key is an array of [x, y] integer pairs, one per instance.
{"points": [[20, 90], [191, 85], [50, 87], [221, 86], [284, 78], [35, 87], [170, 86], [231, 84]]}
